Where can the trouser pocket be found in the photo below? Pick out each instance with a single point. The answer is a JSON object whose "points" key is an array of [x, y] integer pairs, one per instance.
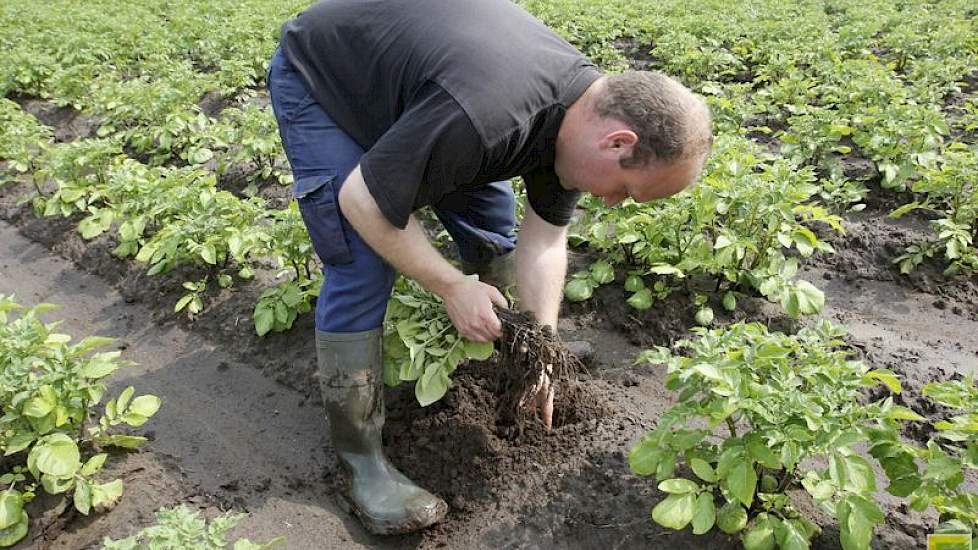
{"points": [[318, 204]]}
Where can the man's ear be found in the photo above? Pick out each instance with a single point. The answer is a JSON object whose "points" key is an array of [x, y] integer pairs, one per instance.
{"points": [[619, 143]]}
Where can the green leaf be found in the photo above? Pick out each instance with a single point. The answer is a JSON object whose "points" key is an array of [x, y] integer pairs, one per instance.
{"points": [[703, 470], [124, 441], [742, 481], [761, 534], [578, 290], [790, 535], [633, 283], [704, 316], [200, 155], [729, 300], [678, 486], [145, 405], [19, 442], [704, 513], [42, 403], [209, 253], [860, 476], [182, 303], [644, 458], [708, 371], [675, 512], [641, 300], [245, 544], [122, 402], [56, 485], [90, 343], [732, 518], [602, 272], [803, 299], [56, 455], [55, 338], [83, 497], [99, 366], [761, 452], [94, 464], [106, 494], [11, 506], [666, 269], [857, 517], [886, 377], [432, 385], [899, 412], [11, 535], [264, 319], [480, 351]]}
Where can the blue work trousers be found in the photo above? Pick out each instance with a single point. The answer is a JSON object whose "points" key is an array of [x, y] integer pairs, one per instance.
{"points": [[358, 281]]}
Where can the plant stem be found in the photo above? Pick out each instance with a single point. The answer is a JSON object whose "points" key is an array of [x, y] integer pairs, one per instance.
{"points": [[731, 427]]}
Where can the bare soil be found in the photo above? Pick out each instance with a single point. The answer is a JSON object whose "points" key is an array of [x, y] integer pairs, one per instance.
{"points": [[241, 425]]}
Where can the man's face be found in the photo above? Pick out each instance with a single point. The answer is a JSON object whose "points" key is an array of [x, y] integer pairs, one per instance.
{"points": [[613, 184]]}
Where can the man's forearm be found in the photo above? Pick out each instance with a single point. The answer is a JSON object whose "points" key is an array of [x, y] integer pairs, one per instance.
{"points": [[408, 251], [541, 264]]}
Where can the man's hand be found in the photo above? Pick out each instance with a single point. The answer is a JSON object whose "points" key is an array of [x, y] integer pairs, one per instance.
{"points": [[469, 303]]}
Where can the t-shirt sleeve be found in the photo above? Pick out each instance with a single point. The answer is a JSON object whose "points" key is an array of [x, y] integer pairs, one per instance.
{"points": [[430, 151], [548, 199]]}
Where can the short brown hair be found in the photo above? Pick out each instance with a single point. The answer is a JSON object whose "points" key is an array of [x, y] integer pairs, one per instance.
{"points": [[671, 122]]}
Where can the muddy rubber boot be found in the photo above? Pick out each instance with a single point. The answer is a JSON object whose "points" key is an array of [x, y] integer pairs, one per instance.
{"points": [[499, 272], [385, 501]]}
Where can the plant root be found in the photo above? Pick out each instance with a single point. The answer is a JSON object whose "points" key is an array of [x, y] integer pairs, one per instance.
{"points": [[532, 356]]}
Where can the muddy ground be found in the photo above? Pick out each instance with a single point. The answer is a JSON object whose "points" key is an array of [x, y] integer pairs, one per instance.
{"points": [[242, 428]]}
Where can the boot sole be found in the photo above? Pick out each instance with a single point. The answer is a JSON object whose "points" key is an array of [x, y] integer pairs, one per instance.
{"points": [[378, 526]]}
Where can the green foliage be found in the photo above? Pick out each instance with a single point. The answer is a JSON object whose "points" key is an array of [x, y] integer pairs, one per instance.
{"points": [[180, 528], [736, 231], [279, 306], [933, 476], [755, 410], [950, 191], [421, 344], [22, 138], [49, 390]]}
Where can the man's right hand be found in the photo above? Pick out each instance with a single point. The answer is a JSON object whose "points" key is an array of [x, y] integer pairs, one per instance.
{"points": [[469, 303]]}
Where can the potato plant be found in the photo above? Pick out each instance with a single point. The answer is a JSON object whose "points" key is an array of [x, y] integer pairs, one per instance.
{"points": [[49, 436], [754, 410], [737, 231], [933, 476], [181, 528], [949, 190], [421, 344], [166, 217], [22, 138]]}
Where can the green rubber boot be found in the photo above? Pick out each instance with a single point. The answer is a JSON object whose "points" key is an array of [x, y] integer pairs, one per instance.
{"points": [[385, 501], [499, 272]]}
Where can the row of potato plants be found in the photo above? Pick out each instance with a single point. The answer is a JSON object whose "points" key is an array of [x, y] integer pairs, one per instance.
{"points": [[145, 87], [52, 438], [872, 81], [759, 414]]}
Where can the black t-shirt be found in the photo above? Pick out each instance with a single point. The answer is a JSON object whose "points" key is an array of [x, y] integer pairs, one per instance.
{"points": [[442, 95]]}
